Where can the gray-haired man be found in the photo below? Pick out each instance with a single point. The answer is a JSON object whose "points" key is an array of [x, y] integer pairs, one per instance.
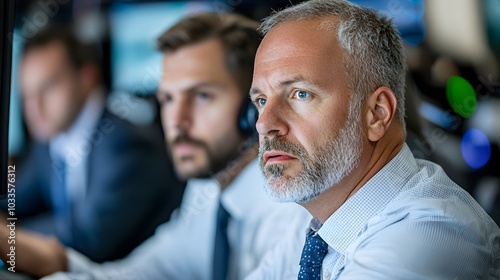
{"points": [[329, 86]]}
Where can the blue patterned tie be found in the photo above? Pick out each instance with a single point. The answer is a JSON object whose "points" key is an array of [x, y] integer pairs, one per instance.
{"points": [[60, 202], [312, 257], [221, 246]]}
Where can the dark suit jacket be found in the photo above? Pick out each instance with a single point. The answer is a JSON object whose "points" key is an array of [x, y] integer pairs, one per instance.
{"points": [[131, 188]]}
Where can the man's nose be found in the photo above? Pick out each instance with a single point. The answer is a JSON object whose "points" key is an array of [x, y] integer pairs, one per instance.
{"points": [[271, 120]]}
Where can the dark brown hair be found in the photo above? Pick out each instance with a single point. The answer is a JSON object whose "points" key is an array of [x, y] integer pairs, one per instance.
{"points": [[77, 52], [237, 34]]}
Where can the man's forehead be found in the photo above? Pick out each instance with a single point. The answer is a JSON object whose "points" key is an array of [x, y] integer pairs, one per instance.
{"points": [[204, 60], [41, 64], [186, 79], [196, 53], [54, 50], [299, 38]]}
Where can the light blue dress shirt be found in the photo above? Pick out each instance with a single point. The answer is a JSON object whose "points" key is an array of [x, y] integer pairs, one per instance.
{"points": [[409, 221], [183, 247], [74, 145]]}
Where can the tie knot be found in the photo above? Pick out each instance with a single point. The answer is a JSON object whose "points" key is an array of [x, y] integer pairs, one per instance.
{"points": [[314, 251], [222, 216]]}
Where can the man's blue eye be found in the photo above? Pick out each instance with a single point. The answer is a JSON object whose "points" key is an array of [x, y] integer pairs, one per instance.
{"points": [[301, 94], [164, 99], [204, 95], [261, 102]]}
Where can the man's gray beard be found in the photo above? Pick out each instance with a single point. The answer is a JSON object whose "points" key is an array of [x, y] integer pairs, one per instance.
{"points": [[326, 167]]}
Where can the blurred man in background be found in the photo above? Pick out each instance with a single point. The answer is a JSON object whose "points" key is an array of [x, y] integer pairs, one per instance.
{"points": [[97, 182], [225, 224]]}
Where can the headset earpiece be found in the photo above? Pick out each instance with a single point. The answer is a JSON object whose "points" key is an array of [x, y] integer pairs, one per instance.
{"points": [[247, 118]]}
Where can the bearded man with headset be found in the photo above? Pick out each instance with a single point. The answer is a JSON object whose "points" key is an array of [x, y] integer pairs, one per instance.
{"points": [[225, 223]]}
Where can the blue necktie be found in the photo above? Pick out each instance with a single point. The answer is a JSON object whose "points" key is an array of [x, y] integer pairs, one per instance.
{"points": [[60, 202], [312, 257], [221, 246]]}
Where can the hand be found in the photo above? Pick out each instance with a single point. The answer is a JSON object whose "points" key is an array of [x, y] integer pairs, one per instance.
{"points": [[4, 230], [35, 254]]}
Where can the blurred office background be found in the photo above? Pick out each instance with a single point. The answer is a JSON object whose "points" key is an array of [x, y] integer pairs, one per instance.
{"points": [[453, 51]]}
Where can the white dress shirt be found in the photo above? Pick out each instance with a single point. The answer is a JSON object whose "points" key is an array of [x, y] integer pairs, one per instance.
{"points": [[75, 144], [183, 247], [409, 221]]}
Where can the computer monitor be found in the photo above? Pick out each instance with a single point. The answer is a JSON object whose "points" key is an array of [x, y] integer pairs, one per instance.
{"points": [[407, 15], [135, 61], [6, 36]]}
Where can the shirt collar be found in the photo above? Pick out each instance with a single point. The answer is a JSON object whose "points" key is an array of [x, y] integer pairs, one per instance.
{"points": [[343, 226], [240, 196]]}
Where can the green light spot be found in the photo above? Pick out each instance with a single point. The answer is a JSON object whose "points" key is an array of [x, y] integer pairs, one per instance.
{"points": [[461, 96]]}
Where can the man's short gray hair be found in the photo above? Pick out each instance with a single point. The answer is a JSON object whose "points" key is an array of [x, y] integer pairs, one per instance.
{"points": [[373, 49]]}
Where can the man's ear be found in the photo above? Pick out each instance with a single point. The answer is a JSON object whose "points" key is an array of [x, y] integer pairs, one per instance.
{"points": [[381, 110], [89, 75]]}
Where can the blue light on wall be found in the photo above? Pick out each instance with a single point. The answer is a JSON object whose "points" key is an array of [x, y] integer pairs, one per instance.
{"points": [[476, 148], [407, 15]]}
